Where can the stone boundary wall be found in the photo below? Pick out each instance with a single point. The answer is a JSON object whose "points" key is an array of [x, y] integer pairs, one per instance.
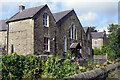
{"points": [[100, 56], [96, 74]]}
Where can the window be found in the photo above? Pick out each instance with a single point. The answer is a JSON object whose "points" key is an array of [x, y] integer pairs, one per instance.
{"points": [[95, 42], [75, 34], [46, 44], [88, 50], [72, 31], [81, 46], [45, 20], [65, 44]]}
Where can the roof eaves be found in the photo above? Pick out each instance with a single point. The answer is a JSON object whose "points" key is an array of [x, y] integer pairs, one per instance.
{"points": [[7, 21]]}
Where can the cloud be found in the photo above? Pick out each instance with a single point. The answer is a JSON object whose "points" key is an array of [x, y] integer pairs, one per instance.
{"points": [[89, 18], [104, 8], [90, 12]]}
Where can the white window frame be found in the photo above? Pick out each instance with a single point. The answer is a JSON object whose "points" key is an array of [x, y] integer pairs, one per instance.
{"points": [[46, 44], [45, 20], [72, 31], [75, 34], [81, 49], [65, 44], [95, 42]]}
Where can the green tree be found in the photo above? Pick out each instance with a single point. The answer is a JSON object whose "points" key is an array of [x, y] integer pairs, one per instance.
{"points": [[113, 46]]}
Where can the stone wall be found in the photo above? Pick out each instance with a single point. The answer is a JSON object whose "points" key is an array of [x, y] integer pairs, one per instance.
{"points": [[100, 56], [3, 40], [97, 73], [40, 32], [21, 36]]}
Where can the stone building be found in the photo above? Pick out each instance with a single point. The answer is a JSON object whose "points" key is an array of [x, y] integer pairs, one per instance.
{"points": [[3, 37], [36, 31], [32, 31], [69, 31], [88, 41], [98, 39]]}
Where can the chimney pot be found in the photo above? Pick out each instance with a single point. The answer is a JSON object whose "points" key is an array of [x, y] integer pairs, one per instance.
{"points": [[21, 8]]}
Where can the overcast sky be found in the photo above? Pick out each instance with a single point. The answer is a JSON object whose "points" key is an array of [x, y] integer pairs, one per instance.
{"points": [[99, 13]]}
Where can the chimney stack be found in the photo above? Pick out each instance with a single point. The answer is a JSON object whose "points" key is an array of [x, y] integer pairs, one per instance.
{"points": [[21, 8]]}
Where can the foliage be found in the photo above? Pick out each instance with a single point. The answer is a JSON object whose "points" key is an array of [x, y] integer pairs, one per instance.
{"points": [[52, 68], [113, 48], [98, 52], [17, 66], [28, 67]]}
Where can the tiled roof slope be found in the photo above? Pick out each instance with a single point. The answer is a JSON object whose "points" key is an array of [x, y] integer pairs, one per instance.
{"points": [[27, 13], [3, 25], [60, 15], [97, 34]]}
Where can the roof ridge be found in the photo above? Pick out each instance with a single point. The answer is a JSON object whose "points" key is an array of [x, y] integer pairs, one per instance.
{"points": [[35, 7], [27, 13]]}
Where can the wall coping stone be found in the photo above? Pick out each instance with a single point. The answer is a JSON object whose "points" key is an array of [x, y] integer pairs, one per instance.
{"points": [[96, 73]]}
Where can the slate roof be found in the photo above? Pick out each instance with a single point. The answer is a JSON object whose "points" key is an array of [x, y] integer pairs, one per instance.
{"points": [[85, 29], [97, 34], [26, 13], [60, 15], [3, 25], [75, 45]]}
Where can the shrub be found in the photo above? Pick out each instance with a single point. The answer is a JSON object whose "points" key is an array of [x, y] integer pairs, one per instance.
{"points": [[17, 66]]}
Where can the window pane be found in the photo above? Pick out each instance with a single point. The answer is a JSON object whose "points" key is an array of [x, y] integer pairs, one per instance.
{"points": [[45, 19], [75, 34], [72, 31]]}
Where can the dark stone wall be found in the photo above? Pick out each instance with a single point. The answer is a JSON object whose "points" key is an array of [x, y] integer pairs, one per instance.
{"points": [[63, 31], [89, 42], [40, 32]]}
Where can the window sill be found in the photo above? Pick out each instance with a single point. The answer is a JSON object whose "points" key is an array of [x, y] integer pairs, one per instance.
{"points": [[45, 26], [46, 51]]}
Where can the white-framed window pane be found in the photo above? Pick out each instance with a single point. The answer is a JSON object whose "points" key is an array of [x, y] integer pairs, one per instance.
{"points": [[95, 42], [72, 30], [45, 20], [81, 46], [46, 44], [75, 34], [65, 44]]}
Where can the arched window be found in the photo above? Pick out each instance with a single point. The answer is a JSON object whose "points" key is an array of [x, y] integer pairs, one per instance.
{"points": [[72, 30], [75, 34], [45, 20]]}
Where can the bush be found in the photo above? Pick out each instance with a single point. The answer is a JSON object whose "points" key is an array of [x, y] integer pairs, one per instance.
{"points": [[98, 52], [17, 66]]}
